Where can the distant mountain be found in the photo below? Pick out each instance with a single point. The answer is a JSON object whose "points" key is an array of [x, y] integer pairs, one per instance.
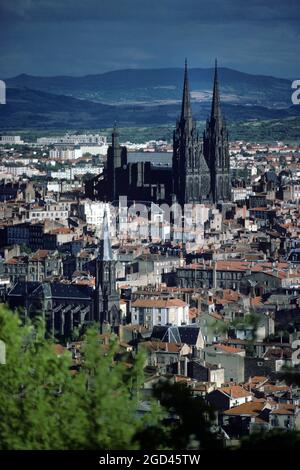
{"points": [[34, 109], [163, 86]]}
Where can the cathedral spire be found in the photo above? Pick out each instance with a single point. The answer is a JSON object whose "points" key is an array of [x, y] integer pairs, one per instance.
{"points": [[115, 128], [105, 252], [115, 135], [216, 107], [186, 105]]}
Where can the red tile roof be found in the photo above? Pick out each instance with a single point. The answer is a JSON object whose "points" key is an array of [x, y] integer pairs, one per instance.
{"points": [[251, 408], [236, 391], [229, 349], [158, 303]]}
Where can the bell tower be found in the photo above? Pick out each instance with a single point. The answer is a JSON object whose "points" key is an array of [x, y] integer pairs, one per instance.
{"points": [[107, 298]]}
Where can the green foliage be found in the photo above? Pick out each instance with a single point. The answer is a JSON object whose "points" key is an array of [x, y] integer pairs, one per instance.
{"points": [[247, 322], [290, 375], [280, 440], [188, 421], [44, 406], [25, 249]]}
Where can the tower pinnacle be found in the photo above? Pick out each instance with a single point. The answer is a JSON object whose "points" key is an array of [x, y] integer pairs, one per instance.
{"points": [[105, 252], [186, 113], [216, 107]]}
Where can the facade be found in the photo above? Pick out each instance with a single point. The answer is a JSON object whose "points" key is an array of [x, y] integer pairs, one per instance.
{"points": [[64, 307], [36, 267], [204, 372], [191, 176], [228, 397], [91, 211], [184, 334], [216, 149], [58, 211], [30, 234], [231, 359], [65, 153], [10, 140], [154, 312]]}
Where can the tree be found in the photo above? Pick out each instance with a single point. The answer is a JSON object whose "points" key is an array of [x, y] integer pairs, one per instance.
{"points": [[188, 422], [273, 440], [43, 405]]}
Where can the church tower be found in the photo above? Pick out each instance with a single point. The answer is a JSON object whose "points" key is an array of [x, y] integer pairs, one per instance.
{"points": [[191, 178], [216, 148], [107, 306], [116, 160]]}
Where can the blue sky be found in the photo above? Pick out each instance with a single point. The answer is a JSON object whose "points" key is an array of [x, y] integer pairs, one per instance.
{"points": [[71, 37]]}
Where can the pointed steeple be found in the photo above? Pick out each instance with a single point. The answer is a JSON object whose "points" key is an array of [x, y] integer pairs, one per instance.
{"points": [[115, 135], [105, 252], [115, 128], [186, 112], [216, 107]]}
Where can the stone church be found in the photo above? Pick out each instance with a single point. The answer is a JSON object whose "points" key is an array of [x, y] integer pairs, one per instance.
{"points": [[65, 306], [200, 163]]}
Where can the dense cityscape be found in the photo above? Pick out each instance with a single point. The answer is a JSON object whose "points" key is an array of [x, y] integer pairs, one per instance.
{"points": [[149, 233], [187, 252]]}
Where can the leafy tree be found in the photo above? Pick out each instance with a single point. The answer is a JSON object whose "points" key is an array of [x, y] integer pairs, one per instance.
{"points": [[188, 422], [44, 405], [277, 439]]}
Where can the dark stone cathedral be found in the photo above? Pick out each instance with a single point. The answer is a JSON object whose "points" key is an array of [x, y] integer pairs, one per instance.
{"points": [[200, 163]]}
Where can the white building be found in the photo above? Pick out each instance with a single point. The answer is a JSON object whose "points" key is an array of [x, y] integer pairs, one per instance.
{"points": [[71, 173], [66, 153], [151, 312], [92, 211], [58, 211], [11, 139], [74, 139], [94, 149], [239, 194]]}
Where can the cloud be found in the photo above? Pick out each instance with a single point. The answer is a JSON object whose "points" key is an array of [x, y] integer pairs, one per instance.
{"points": [[47, 37]]}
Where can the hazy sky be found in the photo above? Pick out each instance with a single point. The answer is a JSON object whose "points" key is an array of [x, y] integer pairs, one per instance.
{"points": [[78, 37]]}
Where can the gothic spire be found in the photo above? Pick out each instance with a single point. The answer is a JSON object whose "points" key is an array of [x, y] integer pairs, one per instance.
{"points": [[115, 135], [105, 252], [115, 128], [216, 107], [186, 105]]}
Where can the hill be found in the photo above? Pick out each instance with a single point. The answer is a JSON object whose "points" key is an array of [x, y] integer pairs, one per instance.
{"points": [[163, 86], [34, 109]]}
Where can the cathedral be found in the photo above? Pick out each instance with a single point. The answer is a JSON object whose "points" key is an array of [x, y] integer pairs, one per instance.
{"points": [[200, 171]]}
